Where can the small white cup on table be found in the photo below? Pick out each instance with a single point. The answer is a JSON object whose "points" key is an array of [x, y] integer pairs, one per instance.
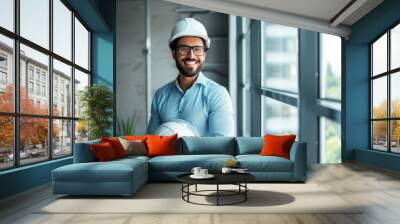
{"points": [[203, 172], [196, 171]]}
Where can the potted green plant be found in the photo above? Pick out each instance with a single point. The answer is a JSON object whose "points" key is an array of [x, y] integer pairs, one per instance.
{"points": [[96, 102], [127, 127]]}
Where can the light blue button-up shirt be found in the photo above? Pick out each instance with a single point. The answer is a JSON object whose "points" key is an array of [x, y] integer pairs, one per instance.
{"points": [[206, 105]]}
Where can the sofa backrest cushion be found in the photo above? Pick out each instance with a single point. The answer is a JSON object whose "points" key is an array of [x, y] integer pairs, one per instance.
{"points": [[249, 145], [83, 152], [206, 145]]}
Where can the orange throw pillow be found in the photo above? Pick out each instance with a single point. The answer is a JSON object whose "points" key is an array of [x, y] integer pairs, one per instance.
{"points": [[116, 145], [275, 145], [103, 152], [161, 145]]}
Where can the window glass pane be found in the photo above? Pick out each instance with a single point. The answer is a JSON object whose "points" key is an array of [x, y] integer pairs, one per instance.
{"points": [[35, 21], [81, 45], [379, 97], [279, 118], [62, 138], [62, 89], [395, 95], [330, 66], [6, 142], [330, 142], [246, 78], [81, 131], [395, 136], [6, 74], [62, 29], [246, 118], [246, 66], [379, 135], [7, 14], [33, 139], [395, 47], [379, 55], [280, 57], [81, 81], [34, 72]]}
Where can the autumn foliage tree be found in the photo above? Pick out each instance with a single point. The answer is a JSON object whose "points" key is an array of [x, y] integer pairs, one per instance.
{"points": [[33, 131], [380, 127]]}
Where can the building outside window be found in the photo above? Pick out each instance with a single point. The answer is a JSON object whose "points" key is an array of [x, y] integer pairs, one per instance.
{"points": [[3, 61], [30, 87], [30, 72], [44, 77], [3, 72], [38, 89], [43, 90]]}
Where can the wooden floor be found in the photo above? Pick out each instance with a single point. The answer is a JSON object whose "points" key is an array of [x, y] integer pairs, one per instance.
{"points": [[378, 188]]}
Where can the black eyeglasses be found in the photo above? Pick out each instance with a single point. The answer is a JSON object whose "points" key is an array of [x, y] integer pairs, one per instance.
{"points": [[185, 50]]}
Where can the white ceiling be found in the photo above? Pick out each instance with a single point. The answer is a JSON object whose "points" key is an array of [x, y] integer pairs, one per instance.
{"points": [[315, 15], [320, 9]]}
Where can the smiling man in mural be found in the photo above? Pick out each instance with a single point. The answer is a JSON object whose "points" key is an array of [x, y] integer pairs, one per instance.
{"points": [[205, 105]]}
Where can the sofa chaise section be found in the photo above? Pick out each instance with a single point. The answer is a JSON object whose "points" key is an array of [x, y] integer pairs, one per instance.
{"points": [[87, 177]]}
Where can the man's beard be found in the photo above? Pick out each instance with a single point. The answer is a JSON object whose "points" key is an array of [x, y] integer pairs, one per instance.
{"points": [[188, 72]]}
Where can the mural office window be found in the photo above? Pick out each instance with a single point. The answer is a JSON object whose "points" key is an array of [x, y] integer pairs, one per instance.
{"points": [[280, 59], [330, 66], [279, 78], [330, 141], [385, 94], [279, 118], [43, 114]]}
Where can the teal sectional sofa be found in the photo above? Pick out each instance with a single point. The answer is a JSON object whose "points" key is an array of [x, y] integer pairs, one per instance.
{"points": [[125, 176]]}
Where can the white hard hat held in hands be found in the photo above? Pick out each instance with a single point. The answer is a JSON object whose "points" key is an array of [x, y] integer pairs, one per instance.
{"points": [[189, 27]]}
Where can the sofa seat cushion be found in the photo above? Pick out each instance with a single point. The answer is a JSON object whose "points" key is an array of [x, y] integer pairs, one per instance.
{"points": [[257, 163], [185, 163], [121, 170]]}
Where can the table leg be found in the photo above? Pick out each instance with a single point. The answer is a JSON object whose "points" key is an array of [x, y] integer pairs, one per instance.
{"points": [[245, 191], [196, 188], [217, 194], [188, 189]]}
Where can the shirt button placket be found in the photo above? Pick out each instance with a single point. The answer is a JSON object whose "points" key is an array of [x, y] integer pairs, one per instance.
{"points": [[180, 108]]}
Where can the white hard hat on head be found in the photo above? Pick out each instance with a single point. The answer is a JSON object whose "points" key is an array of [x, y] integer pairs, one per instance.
{"points": [[189, 27]]}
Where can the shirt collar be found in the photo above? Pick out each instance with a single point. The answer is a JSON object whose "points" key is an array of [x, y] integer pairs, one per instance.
{"points": [[201, 79]]}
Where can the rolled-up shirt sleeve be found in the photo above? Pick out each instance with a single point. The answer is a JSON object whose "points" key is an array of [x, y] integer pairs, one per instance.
{"points": [[220, 119], [155, 120]]}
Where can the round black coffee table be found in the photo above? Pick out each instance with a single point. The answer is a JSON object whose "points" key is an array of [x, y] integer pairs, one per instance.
{"points": [[238, 179]]}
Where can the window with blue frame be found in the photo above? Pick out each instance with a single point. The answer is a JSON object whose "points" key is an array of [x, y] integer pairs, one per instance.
{"points": [[279, 79], [384, 91], [45, 63], [329, 94]]}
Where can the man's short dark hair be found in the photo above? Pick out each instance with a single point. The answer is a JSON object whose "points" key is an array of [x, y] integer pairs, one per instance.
{"points": [[173, 44]]}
